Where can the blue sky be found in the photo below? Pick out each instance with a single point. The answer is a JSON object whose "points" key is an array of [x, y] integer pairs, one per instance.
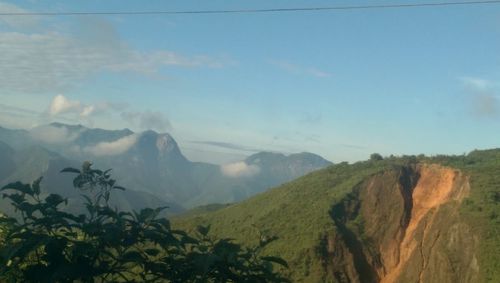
{"points": [[342, 84]]}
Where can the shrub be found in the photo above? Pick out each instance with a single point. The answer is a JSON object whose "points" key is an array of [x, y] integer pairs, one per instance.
{"points": [[376, 157], [45, 244]]}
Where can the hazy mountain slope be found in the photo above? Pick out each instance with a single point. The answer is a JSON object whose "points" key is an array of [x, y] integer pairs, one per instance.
{"points": [[7, 163], [277, 168], [387, 221], [272, 169], [33, 162], [155, 164], [16, 139], [152, 162], [85, 136]]}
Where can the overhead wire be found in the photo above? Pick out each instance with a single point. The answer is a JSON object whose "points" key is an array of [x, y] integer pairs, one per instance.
{"points": [[253, 11]]}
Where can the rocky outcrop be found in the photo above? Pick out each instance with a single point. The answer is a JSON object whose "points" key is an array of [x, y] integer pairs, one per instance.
{"points": [[403, 225]]}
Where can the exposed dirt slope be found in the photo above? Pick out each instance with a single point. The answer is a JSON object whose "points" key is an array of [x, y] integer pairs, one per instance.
{"points": [[403, 226]]}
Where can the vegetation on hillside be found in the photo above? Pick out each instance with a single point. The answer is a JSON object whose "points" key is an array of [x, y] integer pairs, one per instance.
{"points": [[482, 208], [298, 212], [45, 244]]}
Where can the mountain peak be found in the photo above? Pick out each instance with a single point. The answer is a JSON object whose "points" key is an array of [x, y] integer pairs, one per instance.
{"points": [[163, 142]]}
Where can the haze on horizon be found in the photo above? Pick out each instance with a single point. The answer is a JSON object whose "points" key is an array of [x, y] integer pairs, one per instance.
{"points": [[342, 84]]}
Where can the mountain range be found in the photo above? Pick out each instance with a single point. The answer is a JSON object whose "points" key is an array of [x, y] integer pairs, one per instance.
{"points": [[149, 164], [394, 219]]}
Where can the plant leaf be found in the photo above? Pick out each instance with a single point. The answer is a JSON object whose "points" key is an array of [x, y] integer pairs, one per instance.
{"points": [[54, 199], [71, 170], [18, 186]]}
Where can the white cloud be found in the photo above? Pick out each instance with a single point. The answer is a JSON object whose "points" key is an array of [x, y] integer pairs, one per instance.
{"points": [[63, 107], [112, 148], [300, 70], [54, 61], [239, 169], [476, 84], [88, 110], [54, 135], [16, 21], [60, 104]]}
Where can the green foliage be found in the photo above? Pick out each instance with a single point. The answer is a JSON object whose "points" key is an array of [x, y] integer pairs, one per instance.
{"points": [[297, 212], [482, 206], [376, 157], [45, 244]]}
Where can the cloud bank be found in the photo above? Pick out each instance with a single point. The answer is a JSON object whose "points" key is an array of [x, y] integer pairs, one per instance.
{"points": [[239, 169], [112, 148], [45, 60], [63, 107], [16, 22], [54, 135], [62, 135], [60, 104]]}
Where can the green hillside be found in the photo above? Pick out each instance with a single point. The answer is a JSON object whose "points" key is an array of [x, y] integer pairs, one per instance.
{"points": [[296, 213], [312, 215]]}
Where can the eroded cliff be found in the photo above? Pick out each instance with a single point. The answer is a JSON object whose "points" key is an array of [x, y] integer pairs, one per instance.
{"points": [[403, 225]]}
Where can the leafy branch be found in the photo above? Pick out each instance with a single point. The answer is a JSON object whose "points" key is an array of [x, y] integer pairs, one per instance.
{"points": [[43, 243]]}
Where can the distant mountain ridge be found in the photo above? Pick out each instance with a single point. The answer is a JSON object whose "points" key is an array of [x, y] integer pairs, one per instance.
{"points": [[32, 162], [152, 163]]}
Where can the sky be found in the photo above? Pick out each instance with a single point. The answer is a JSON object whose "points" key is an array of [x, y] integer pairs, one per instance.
{"points": [[342, 84]]}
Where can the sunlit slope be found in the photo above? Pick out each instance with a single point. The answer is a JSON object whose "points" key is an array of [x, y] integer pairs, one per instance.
{"points": [[427, 220], [297, 213]]}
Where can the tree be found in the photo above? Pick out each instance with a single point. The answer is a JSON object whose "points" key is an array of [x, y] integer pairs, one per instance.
{"points": [[376, 157], [45, 244]]}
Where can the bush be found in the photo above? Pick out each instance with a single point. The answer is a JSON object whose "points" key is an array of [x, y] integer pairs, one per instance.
{"points": [[45, 244], [376, 157]]}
